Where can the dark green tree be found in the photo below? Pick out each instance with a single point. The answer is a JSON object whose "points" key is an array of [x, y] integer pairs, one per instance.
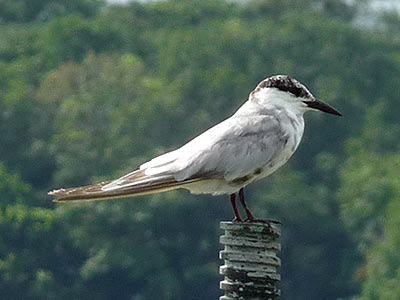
{"points": [[88, 94], [23, 11]]}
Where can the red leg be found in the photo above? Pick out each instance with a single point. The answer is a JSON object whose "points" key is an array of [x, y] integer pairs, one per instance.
{"points": [[235, 210], [250, 217], [248, 213]]}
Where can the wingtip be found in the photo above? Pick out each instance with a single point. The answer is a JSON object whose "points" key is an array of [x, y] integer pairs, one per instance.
{"points": [[56, 193]]}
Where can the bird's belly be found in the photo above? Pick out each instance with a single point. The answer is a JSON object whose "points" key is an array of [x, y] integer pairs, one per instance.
{"points": [[212, 186]]}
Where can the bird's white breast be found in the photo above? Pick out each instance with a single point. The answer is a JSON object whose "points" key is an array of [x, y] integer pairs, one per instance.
{"points": [[293, 125]]}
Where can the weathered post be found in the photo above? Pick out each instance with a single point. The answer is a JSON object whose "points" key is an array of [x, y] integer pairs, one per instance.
{"points": [[250, 261]]}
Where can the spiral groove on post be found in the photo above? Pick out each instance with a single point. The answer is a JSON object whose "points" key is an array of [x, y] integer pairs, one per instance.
{"points": [[250, 261]]}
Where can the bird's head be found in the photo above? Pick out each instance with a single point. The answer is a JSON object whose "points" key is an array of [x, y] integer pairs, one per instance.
{"points": [[289, 92]]}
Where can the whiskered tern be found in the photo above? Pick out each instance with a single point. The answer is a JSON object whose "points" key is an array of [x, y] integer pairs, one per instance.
{"points": [[253, 143]]}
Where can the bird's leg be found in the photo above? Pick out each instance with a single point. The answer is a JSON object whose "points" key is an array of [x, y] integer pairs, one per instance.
{"points": [[248, 213], [235, 210], [250, 217]]}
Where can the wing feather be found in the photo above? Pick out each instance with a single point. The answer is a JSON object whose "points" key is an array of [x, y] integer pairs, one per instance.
{"points": [[231, 149]]}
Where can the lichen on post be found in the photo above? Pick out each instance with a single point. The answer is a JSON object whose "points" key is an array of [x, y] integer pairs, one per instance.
{"points": [[250, 261]]}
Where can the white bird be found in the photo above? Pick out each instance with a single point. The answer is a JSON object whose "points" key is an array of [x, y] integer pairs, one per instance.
{"points": [[253, 143]]}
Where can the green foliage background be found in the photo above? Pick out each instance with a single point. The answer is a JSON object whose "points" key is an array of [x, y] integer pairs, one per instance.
{"points": [[88, 91]]}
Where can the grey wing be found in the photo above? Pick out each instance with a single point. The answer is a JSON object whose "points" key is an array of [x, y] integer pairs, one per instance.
{"points": [[229, 150]]}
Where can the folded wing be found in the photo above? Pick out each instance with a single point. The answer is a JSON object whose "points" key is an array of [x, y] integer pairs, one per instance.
{"points": [[229, 150]]}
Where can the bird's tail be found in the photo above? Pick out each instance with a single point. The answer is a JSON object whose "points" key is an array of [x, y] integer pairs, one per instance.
{"points": [[133, 184]]}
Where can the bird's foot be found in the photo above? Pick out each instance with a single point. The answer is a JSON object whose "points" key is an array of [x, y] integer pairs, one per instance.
{"points": [[237, 219], [249, 218]]}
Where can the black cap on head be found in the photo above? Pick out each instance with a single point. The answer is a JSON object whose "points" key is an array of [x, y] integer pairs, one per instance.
{"points": [[287, 84]]}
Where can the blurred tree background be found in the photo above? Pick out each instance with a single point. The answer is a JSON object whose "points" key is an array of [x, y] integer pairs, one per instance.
{"points": [[89, 90]]}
